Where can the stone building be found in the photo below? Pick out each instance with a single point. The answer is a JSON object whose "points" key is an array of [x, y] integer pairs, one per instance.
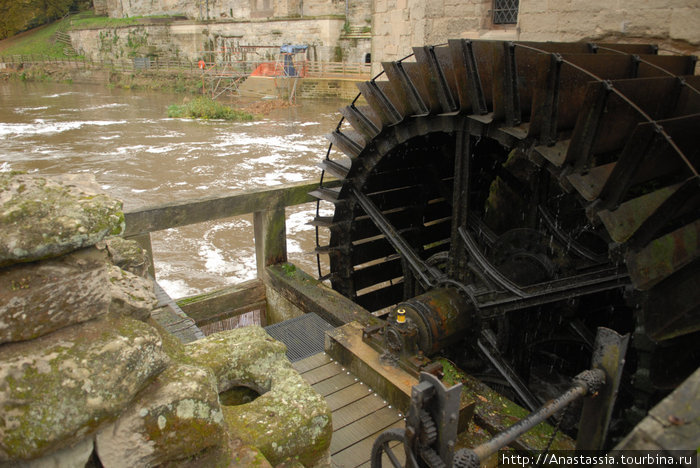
{"points": [[398, 24], [381, 30]]}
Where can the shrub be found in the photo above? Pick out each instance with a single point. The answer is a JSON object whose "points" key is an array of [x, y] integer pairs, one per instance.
{"points": [[206, 108]]}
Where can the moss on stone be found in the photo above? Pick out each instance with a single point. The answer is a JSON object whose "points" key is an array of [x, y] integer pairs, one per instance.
{"points": [[42, 218], [289, 419], [58, 389]]}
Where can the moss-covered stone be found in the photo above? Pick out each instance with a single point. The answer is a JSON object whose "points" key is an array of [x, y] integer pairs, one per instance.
{"points": [[41, 297], [131, 295], [172, 347], [42, 218], [60, 388], [127, 255], [176, 417], [290, 419]]}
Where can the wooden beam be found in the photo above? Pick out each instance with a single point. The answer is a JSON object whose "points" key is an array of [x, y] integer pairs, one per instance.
{"points": [[198, 210], [144, 241], [224, 303], [310, 295]]}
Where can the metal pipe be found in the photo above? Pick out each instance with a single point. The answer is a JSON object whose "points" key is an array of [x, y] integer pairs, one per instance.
{"points": [[586, 383]]}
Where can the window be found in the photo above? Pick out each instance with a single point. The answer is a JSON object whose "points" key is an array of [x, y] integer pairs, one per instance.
{"points": [[505, 11]]}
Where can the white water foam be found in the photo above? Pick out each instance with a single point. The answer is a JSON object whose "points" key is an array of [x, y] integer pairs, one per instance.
{"points": [[42, 127]]}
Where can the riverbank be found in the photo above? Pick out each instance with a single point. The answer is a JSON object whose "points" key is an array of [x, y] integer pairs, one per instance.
{"points": [[182, 81], [77, 72]]}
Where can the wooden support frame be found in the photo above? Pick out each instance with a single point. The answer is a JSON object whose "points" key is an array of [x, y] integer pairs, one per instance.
{"points": [[269, 226]]}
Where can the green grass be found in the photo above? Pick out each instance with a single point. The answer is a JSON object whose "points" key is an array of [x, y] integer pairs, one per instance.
{"points": [[206, 108], [89, 20], [39, 42]]}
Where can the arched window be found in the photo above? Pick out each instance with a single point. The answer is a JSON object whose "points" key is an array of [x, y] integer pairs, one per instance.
{"points": [[368, 58]]}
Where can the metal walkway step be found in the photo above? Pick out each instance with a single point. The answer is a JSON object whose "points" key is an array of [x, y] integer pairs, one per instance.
{"points": [[303, 335], [359, 414], [171, 317]]}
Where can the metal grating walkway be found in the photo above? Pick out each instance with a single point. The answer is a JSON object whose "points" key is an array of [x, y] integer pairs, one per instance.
{"points": [[359, 415], [303, 335]]}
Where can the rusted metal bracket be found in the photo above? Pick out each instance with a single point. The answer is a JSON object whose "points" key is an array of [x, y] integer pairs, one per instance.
{"points": [[609, 356]]}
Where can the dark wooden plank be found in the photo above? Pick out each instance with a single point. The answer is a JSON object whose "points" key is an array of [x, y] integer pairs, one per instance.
{"points": [[359, 453], [623, 222], [224, 303], [396, 448], [198, 210], [357, 410], [360, 429], [270, 231], [344, 397], [335, 383], [311, 362], [589, 184], [323, 372], [311, 295]]}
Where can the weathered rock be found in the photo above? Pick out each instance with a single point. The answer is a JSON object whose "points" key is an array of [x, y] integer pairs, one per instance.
{"points": [[127, 255], [42, 218], [231, 454], [290, 419], [60, 388], [176, 417], [132, 295], [40, 297], [75, 456]]}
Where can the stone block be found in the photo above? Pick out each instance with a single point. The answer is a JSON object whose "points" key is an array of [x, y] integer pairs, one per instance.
{"points": [[684, 25], [42, 218], [175, 418], [59, 389], [131, 295], [435, 9], [289, 419], [75, 456], [40, 297], [646, 22], [127, 255]]}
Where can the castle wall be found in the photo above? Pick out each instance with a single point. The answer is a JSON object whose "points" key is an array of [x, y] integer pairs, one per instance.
{"points": [[400, 24], [190, 40], [221, 9]]}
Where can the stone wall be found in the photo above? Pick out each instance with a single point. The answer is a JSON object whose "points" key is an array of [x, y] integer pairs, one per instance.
{"points": [[87, 377], [222, 9], [191, 40], [327, 88], [400, 24]]}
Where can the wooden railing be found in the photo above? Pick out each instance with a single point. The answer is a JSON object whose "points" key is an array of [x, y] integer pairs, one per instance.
{"points": [[338, 70], [269, 228], [267, 207], [232, 68]]}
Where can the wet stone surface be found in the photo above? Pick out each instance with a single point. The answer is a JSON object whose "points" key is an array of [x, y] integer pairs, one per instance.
{"points": [[59, 389], [42, 218]]}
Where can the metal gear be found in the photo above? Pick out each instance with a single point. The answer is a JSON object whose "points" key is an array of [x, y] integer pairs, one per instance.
{"points": [[428, 430], [431, 457]]}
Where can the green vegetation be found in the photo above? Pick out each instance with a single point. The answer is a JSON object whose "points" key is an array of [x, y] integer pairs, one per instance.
{"points": [[89, 20], [18, 16], [206, 108], [40, 42]]}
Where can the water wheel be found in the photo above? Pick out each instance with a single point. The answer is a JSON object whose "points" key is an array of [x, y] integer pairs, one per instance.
{"points": [[554, 185]]}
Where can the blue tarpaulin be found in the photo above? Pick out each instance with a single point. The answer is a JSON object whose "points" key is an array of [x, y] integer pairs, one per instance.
{"points": [[293, 49]]}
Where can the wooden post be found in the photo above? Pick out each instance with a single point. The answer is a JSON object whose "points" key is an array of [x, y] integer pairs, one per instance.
{"points": [[270, 238], [144, 240]]}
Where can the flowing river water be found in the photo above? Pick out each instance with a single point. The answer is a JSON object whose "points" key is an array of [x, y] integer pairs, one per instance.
{"points": [[144, 158]]}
